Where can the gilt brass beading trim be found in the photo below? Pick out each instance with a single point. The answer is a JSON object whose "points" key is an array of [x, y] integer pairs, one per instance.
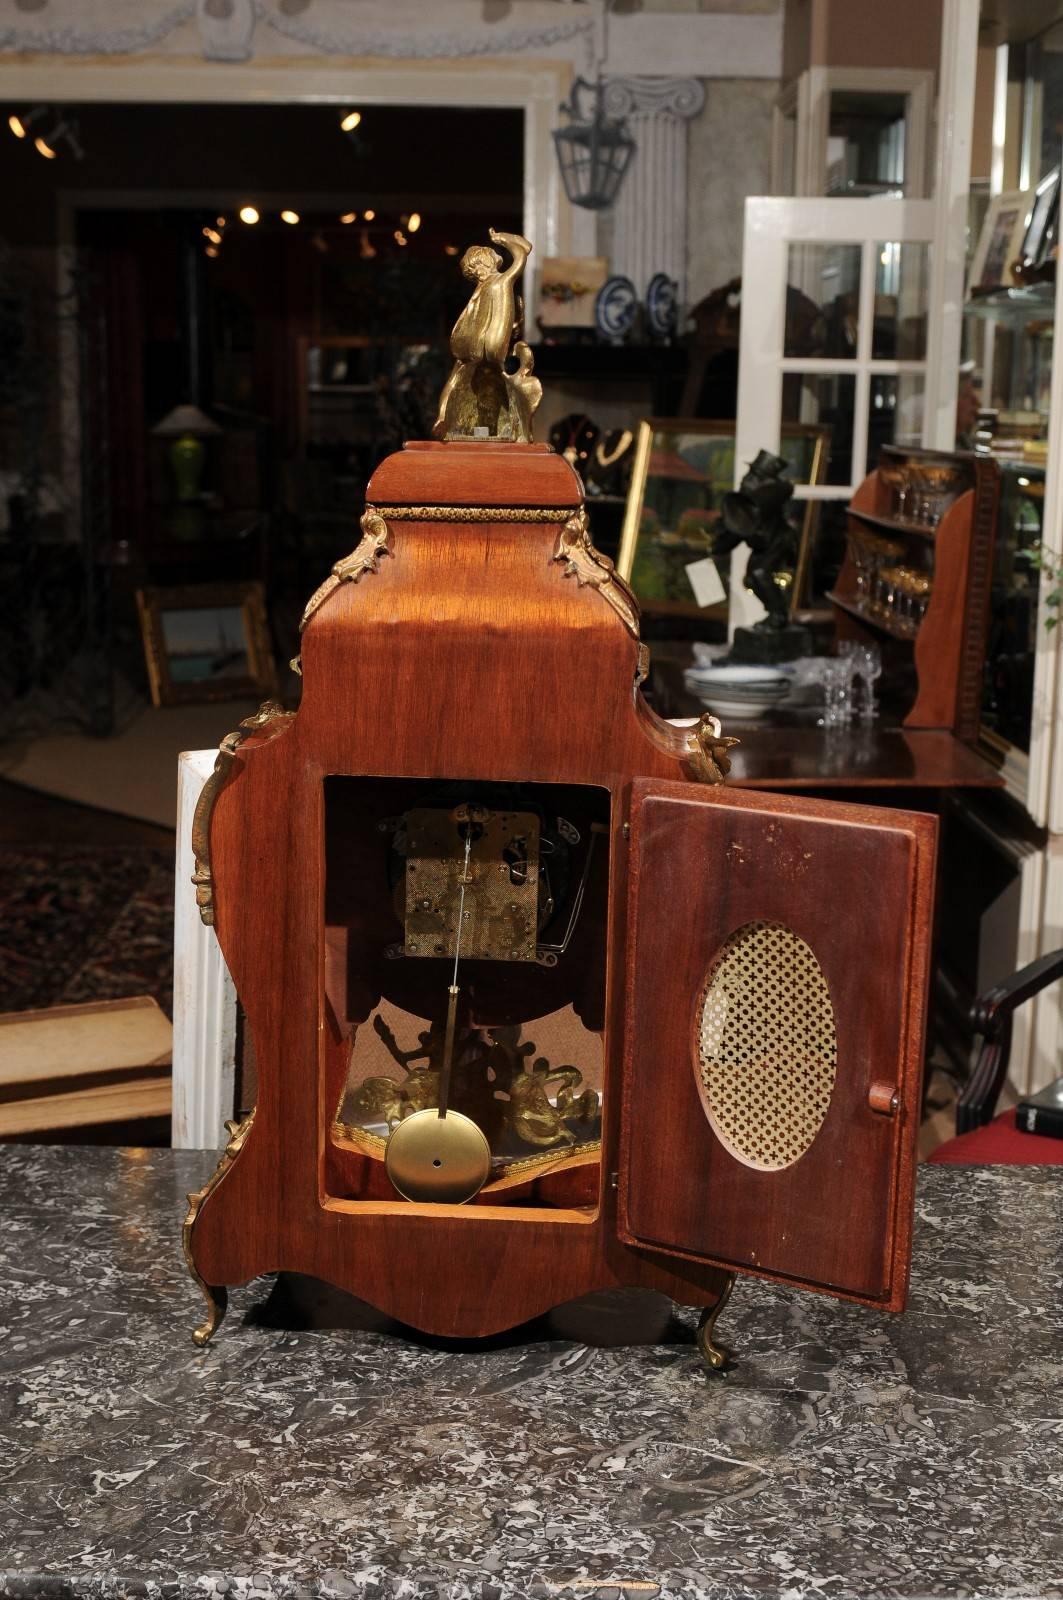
{"points": [[474, 513], [215, 1296]]}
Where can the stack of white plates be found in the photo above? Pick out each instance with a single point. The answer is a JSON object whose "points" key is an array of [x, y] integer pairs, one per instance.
{"points": [[738, 692]]}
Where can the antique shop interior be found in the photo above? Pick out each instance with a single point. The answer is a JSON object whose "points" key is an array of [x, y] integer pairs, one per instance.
{"points": [[430, 437]]}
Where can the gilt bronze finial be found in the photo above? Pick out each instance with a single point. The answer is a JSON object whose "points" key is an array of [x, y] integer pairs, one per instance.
{"points": [[481, 399]]}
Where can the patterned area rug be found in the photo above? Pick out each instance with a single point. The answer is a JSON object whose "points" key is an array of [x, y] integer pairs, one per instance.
{"points": [[79, 924]]}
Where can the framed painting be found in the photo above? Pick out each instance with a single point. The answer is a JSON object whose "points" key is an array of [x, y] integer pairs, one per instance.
{"points": [[206, 641], [683, 467]]}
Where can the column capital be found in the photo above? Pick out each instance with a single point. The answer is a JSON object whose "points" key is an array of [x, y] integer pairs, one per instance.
{"points": [[671, 97]]}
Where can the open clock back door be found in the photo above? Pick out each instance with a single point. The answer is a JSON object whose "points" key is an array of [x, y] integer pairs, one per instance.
{"points": [[778, 955]]}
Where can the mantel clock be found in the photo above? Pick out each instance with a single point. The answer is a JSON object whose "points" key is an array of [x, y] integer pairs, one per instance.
{"points": [[539, 1005]]}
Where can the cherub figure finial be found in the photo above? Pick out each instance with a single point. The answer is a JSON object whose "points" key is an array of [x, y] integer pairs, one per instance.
{"points": [[481, 399]]}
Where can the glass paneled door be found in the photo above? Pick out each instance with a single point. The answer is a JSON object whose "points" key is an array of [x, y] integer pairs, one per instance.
{"points": [[835, 333]]}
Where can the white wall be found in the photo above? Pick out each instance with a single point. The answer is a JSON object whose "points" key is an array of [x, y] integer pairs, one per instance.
{"points": [[729, 158]]}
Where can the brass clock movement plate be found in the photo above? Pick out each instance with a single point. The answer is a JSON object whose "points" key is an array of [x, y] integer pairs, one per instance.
{"points": [[500, 912]]}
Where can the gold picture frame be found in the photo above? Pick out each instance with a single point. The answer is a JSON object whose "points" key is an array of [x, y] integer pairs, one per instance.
{"points": [[205, 642], [706, 465]]}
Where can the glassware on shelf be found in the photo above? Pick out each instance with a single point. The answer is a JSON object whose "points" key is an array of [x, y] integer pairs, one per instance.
{"points": [[867, 669], [868, 552], [836, 676], [894, 476]]}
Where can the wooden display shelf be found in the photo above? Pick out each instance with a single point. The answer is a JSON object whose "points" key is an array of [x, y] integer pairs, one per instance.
{"points": [[844, 603], [949, 645], [893, 525]]}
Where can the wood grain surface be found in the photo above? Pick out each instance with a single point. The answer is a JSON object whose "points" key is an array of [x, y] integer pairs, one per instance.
{"points": [[469, 655]]}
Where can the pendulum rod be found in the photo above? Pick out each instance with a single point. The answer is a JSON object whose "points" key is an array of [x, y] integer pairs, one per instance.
{"points": [[453, 992]]}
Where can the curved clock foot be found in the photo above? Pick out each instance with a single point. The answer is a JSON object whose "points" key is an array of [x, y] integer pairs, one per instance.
{"points": [[217, 1304], [715, 1357]]}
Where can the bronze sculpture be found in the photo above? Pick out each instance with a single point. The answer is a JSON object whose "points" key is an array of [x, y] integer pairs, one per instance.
{"points": [[481, 399]]}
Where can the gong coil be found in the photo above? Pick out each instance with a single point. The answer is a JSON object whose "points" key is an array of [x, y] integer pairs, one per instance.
{"points": [[767, 1046]]}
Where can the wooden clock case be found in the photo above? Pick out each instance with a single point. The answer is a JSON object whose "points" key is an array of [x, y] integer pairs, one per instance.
{"points": [[475, 637]]}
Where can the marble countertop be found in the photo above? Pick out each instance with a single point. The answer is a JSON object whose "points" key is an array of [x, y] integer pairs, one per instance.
{"points": [[846, 1453]]}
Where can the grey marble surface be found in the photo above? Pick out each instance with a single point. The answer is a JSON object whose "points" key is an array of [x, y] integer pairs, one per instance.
{"points": [[847, 1452]]}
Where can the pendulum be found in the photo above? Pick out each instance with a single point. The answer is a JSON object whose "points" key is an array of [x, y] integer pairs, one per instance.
{"points": [[437, 1155]]}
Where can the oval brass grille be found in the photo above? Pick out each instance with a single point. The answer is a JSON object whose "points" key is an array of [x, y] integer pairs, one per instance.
{"points": [[767, 1046]]}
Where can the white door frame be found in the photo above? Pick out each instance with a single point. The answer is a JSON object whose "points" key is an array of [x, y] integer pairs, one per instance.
{"points": [[771, 226]]}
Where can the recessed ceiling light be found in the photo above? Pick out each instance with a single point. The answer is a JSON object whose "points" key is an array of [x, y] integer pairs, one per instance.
{"points": [[351, 121], [212, 234], [413, 221], [291, 217], [370, 216], [248, 214], [349, 216]]}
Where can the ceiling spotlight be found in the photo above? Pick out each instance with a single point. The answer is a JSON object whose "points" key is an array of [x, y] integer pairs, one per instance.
{"points": [[248, 214], [413, 221], [213, 251], [291, 217], [63, 132], [351, 121], [370, 216], [400, 237], [349, 216], [212, 234], [220, 222], [20, 125]]}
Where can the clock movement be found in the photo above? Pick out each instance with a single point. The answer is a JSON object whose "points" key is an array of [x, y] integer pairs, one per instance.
{"points": [[539, 1005]]}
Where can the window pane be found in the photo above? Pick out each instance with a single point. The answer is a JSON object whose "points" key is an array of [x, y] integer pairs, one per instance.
{"points": [[896, 412], [825, 401], [822, 300], [902, 276], [865, 143]]}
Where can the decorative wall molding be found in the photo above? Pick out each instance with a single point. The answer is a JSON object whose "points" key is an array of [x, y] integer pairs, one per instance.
{"points": [[62, 30], [658, 97], [227, 29], [650, 219], [401, 29]]}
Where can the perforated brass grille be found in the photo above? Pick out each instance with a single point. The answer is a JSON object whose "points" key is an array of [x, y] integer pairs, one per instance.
{"points": [[768, 1048]]}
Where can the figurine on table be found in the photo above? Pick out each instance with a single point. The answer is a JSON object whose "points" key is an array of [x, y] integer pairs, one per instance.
{"points": [[481, 399], [756, 514]]}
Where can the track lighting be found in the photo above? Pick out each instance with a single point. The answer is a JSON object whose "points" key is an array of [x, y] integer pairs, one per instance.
{"points": [[370, 216], [350, 121], [349, 216], [290, 217], [63, 133], [20, 125], [249, 214], [413, 222]]}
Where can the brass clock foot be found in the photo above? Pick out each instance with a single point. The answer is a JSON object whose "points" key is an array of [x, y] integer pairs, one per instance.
{"points": [[217, 1304], [715, 1357]]}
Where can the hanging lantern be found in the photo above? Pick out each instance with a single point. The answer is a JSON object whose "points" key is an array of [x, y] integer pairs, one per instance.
{"points": [[594, 151]]}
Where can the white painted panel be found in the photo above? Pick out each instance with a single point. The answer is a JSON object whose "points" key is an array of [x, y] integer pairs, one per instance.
{"points": [[204, 999]]}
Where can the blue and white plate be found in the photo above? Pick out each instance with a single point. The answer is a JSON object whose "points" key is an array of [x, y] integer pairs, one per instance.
{"points": [[662, 305], [616, 307]]}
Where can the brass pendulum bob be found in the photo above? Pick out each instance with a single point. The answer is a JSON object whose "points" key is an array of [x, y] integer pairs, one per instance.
{"points": [[438, 1155]]}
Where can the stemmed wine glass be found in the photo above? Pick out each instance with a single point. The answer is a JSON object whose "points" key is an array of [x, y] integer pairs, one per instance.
{"points": [[866, 662]]}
